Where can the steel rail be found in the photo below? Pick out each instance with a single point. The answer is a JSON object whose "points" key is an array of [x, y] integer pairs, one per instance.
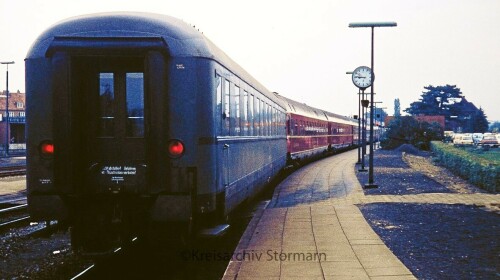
{"points": [[18, 220], [7, 171], [92, 267], [13, 200], [13, 208]]}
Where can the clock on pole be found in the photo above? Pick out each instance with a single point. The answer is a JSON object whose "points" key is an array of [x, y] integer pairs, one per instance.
{"points": [[363, 77]]}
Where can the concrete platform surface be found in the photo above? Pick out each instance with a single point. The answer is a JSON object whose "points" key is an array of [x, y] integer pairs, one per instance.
{"points": [[312, 229]]}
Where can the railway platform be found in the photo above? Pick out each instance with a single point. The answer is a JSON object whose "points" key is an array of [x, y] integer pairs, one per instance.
{"points": [[7, 186], [312, 229], [12, 161]]}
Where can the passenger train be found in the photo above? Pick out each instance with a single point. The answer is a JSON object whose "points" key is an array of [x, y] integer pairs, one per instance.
{"points": [[137, 124]]}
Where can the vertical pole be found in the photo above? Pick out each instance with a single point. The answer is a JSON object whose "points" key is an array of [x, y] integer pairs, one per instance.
{"points": [[363, 136], [376, 136], [359, 125], [370, 168], [365, 110], [372, 25], [7, 130]]}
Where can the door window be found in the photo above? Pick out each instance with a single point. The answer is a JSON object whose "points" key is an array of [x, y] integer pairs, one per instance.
{"points": [[121, 95], [135, 104], [106, 104]]}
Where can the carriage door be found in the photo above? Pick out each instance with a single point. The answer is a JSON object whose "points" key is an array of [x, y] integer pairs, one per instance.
{"points": [[113, 94]]}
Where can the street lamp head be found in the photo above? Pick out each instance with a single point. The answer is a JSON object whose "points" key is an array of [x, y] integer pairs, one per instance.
{"points": [[7, 62], [372, 24]]}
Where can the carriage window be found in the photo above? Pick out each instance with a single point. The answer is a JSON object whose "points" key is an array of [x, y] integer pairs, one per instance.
{"points": [[263, 122], [263, 118], [218, 110], [135, 104], [267, 123], [250, 115], [244, 113], [276, 122], [283, 123], [106, 101], [269, 120], [256, 117], [237, 114], [225, 115]]}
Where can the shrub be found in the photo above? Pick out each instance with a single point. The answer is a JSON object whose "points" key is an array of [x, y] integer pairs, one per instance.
{"points": [[408, 130], [477, 170]]}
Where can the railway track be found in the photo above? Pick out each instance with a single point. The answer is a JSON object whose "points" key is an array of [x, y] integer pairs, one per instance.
{"points": [[11, 218], [95, 269], [12, 200], [16, 170], [16, 216]]}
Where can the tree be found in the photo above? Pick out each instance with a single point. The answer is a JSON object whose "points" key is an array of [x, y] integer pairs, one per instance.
{"points": [[436, 101], [397, 108], [448, 101], [407, 130], [378, 115], [495, 127], [479, 121]]}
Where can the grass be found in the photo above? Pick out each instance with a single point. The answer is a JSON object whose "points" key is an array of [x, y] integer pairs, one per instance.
{"points": [[492, 155]]}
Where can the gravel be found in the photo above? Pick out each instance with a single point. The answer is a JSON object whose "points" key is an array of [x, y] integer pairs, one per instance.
{"points": [[24, 256], [395, 177], [438, 241], [435, 241]]}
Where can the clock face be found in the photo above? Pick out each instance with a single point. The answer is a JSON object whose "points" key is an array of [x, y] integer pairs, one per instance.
{"points": [[362, 77]]}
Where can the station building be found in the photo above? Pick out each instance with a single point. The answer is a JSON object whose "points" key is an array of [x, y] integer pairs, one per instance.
{"points": [[12, 122]]}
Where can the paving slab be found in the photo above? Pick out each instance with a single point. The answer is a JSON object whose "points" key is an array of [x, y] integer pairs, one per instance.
{"points": [[312, 229]]}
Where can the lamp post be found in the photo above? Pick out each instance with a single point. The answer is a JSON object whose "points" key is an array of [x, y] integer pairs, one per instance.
{"points": [[359, 127], [7, 107], [364, 105], [372, 25], [362, 78], [359, 122]]}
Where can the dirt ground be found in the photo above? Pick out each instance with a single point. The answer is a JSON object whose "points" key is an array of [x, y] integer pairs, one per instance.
{"points": [[435, 241]]}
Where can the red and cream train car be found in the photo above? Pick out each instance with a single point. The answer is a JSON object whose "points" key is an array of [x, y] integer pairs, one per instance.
{"points": [[312, 131]]}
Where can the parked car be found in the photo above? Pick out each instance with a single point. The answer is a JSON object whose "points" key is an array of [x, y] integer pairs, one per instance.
{"points": [[477, 137], [448, 136], [489, 140], [463, 140]]}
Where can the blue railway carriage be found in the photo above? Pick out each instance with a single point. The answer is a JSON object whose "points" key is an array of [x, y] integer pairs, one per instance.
{"points": [[138, 125]]}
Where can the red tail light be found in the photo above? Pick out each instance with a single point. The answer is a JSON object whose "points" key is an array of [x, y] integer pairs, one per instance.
{"points": [[46, 148], [175, 148]]}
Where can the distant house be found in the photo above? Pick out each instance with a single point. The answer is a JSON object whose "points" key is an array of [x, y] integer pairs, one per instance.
{"points": [[428, 119], [12, 126]]}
